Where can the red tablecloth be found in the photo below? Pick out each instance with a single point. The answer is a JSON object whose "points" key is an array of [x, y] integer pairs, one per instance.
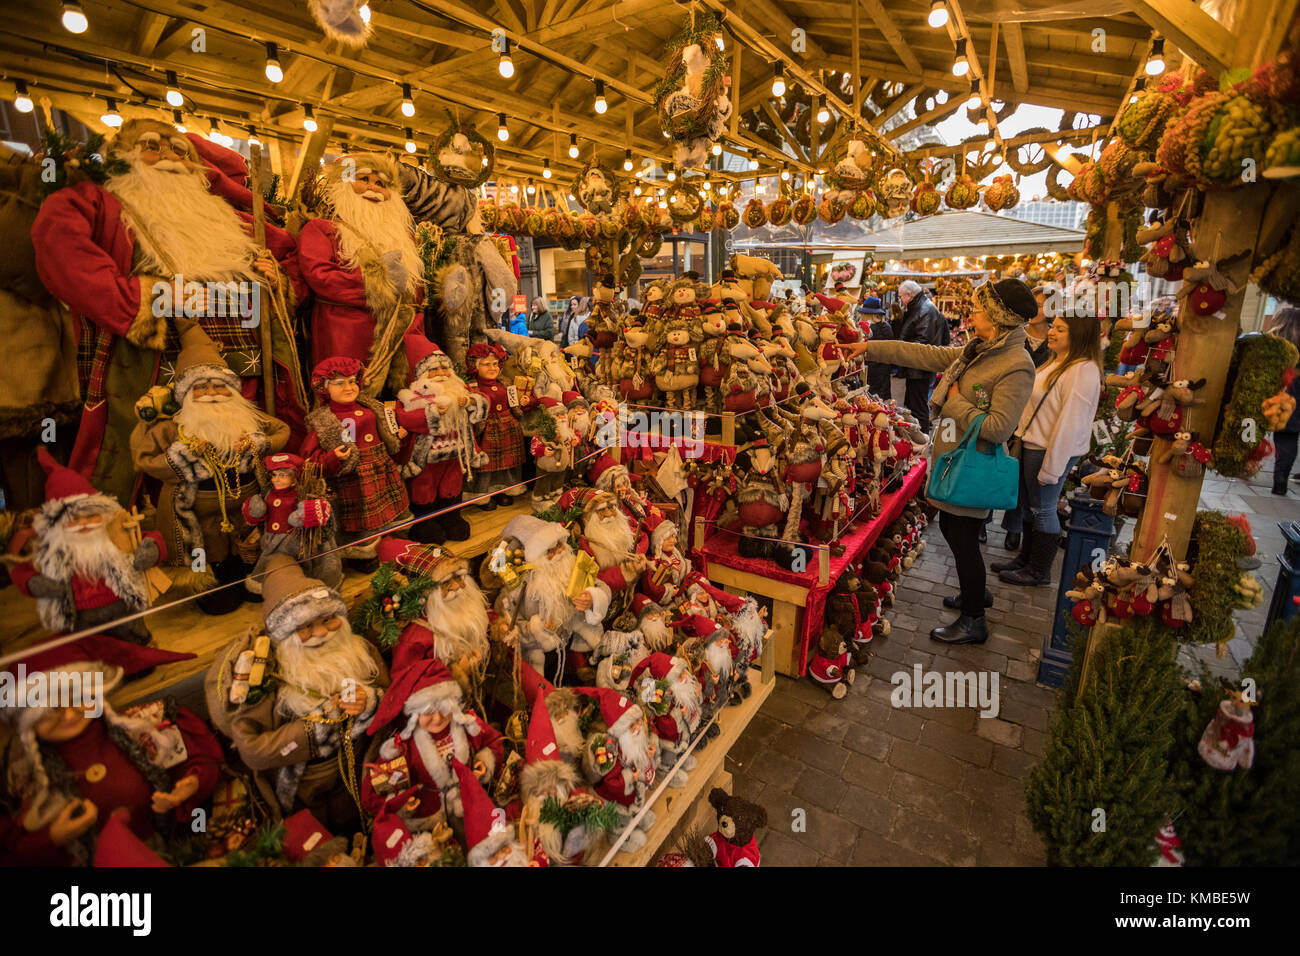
{"points": [[720, 548]]}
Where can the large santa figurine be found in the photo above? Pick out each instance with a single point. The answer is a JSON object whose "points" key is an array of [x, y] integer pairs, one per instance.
{"points": [[206, 456], [87, 570], [120, 254], [609, 537], [606, 474], [68, 767], [360, 260], [538, 610], [298, 721], [454, 627], [440, 453], [431, 727]]}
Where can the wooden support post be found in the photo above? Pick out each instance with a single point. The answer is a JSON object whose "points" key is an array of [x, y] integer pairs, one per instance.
{"points": [[857, 59]]}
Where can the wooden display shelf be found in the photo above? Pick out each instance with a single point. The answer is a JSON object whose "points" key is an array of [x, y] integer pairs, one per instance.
{"points": [[678, 808], [181, 626]]}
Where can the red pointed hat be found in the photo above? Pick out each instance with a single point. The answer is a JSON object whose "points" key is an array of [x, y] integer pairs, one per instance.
{"points": [[123, 657], [422, 355], [118, 846], [618, 712], [658, 664], [485, 830], [302, 834], [541, 735], [390, 835], [730, 602], [696, 624], [60, 481], [414, 689], [533, 682]]}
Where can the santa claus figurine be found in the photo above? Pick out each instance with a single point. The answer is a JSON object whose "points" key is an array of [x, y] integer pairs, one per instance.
{"points": [[1229, 738], [206, 456], [353, 439], [622, 648], [606, 474], [121, 255], [298, 527], [619, 761], [298, 719], [666, 571], [454, 627], [489, 839], [87, 571], [500, 437], [548, 776], [551, 443], [431, 727], [544, 609], [610, 538], [666, 688], [70, 764], [360, 259]]}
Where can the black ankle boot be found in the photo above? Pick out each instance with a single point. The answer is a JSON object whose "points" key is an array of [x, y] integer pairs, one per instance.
{"points": [[1038, 571], [953, 601], [964, 630], [1021, 560], [1013, 541], [453, 523]]}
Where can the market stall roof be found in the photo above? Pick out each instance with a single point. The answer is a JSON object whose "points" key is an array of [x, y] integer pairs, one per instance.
{"points": [[966, 233], [869, 61]]}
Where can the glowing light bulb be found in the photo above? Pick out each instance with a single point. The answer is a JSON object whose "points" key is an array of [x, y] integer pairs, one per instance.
{"points": [[364, 12], [573, 145], [627, 160], [273, 71], [111, 116], [938, 14], [503, 134], [408, 104], [410, 141], [961, 65], [506, 66], [546, 169], [601, 105], [823, 115], [716, 149], [309, 119], [22, 102], [1156, 62], [778, 80], [74, 18], [174, 97]]}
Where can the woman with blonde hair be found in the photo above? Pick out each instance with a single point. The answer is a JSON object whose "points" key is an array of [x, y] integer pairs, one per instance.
{"points": [[1055, 430]]}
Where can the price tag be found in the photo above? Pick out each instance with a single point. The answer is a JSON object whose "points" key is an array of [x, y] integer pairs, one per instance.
{"points": [[512, 396], [691, 352], [1101, 434]]}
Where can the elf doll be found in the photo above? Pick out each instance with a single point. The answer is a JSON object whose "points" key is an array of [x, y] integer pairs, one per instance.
{"points": [[292, 523], [500, 436], [352, 440]]}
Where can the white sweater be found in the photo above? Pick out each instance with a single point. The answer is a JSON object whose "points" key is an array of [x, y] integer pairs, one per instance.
{"points": [[1063, 425]]}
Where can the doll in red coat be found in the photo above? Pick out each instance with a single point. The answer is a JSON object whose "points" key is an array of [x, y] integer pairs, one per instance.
{"points": [[500, 436], [70, 764], [117, 253], [292, 524]]}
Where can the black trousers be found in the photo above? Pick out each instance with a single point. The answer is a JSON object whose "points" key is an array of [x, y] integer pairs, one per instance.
{"points": [[1285, 445], [916, 397], [963, 537]]}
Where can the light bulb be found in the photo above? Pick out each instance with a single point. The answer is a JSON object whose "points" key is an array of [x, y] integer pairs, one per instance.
{"points": [[178, 121], [666, 136], [410, 140], [718, 40], [573, 146], [991, 144], [636, 191], [111, 117], [174, 97], [408, 104], [722, 190], [941, 97], [546, 169], [785, 175], [514, 188], [961, 66], [22, 102], [601, 105], [531, 188], [716, 149], [823, 115], [309, 119], [273, 71], [74, 18], [1132, 97], [506, 66], [938, 14], [364, 12], [503, 134], [974, 100], [778, 80], [663, 204], [997, 159], [1156, 62], [704, 194], [672, 176]]}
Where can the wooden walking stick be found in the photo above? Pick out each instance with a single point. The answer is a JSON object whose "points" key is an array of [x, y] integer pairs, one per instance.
{"points": [[259, 236]]}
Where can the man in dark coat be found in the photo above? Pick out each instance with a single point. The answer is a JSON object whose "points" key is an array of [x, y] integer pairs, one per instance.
{"points": [[923, 324], [876, 320]]}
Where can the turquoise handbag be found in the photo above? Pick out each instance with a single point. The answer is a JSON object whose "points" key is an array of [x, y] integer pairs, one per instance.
{"points": [[966, 477]]}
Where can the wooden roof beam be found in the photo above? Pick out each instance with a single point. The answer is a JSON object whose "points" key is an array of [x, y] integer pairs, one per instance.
{"points": [[1015, 44], [1184, 24], [889, 30], [897, 103], [947, 108]]}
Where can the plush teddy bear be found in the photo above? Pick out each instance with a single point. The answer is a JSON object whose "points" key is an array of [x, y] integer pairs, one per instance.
{"points": [[734, 842], [831, 668]]}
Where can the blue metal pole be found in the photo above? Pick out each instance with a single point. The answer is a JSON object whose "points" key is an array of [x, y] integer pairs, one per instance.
{"points": [[1287, 588], [1089, 532]]}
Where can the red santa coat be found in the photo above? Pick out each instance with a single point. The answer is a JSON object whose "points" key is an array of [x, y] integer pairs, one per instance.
{"points": [[500, 435], [87, 593], [487, 745], [84, 255], [122, 784], [341, 323], [370, 492], [613, 575]]}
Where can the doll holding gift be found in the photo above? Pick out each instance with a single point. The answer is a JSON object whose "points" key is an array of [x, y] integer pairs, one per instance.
{"points": [[292, 522]]}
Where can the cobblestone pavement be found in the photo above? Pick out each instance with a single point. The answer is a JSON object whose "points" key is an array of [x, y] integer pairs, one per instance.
{"points": [[880, 786]]}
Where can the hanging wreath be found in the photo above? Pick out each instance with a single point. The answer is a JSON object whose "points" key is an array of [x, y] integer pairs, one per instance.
{"points": [[595, 187], [691, 99], [857, 162], [963, 193], [1036, 159], [779, 211], [454, 159], [651, 243], [728, 217], [684, 202]]}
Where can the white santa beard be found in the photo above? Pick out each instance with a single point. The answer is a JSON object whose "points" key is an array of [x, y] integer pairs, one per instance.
{"points": [[180, 226], [549, 584], [221, 424], [63, 553], [657, 634], [686, 690], [372, 229], [719, 658], [610, 538], [309, 671], [426, 391], [634, 746], [461, 619]]}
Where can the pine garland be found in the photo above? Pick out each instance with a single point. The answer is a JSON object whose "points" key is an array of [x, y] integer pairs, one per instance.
{"points": [[1258, 363], [74, 160], [1246, 817], [1109, 750], [397, 599], [602, 816], [266, 847], [1216, 545]]}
